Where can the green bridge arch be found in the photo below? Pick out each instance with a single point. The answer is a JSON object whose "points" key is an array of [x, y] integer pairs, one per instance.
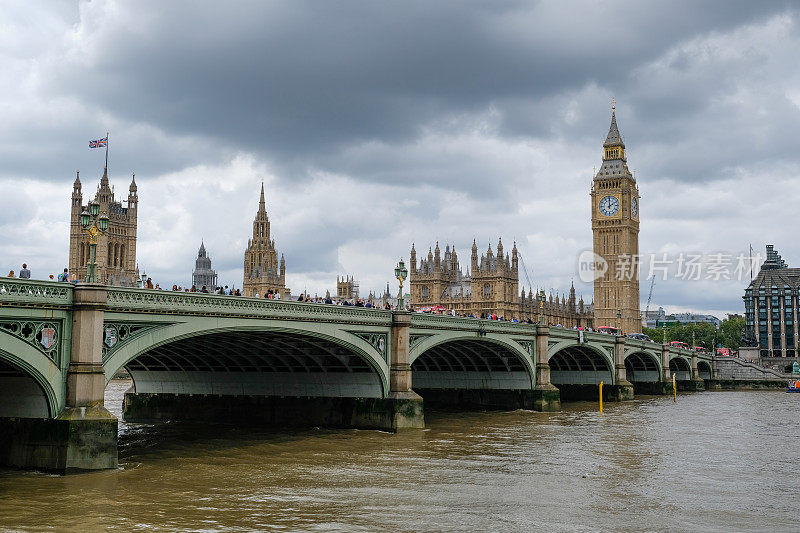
{"points": [[681, 367], [643, 365], [37, 367], [164, 332], [575, 363], [485, 353]]}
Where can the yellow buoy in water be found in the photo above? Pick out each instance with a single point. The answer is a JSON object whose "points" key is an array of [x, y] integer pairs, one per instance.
{"points": [[674, 390], [601, 396]]}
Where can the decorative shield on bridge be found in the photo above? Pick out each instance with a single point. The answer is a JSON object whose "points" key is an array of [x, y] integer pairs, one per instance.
{"points": [[110, 337], [48, 337]]}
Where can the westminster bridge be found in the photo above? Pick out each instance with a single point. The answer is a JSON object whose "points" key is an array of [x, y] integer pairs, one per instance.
{"points": [[212, 357]]}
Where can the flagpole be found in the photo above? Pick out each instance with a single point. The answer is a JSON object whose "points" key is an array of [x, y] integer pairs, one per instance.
{"points": [[106, 151]]}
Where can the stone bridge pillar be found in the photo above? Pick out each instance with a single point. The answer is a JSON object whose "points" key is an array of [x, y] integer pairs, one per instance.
{"points": [[546, 397], [86, 380], [666, 374], [622, 389], [84, 435], [93, 430], [697, 381], [405, 404], [664, 385]]}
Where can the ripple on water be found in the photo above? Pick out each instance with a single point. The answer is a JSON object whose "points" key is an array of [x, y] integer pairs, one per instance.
{"points": [[713, 461]]}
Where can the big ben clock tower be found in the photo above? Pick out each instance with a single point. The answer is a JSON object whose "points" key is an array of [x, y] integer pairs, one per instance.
{"points": [[615, 227]]}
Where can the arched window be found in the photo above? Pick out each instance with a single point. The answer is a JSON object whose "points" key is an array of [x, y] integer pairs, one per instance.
{"points": [[487, 290], [121, 254], [81, 254], [116, 255], [425, 291], [109, 253]]}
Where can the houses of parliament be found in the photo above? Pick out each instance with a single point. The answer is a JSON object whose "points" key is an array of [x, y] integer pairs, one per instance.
{"points": [[490, 286], [116, 248]]}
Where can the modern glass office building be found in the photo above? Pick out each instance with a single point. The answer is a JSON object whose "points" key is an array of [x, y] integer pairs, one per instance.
{"points": [[770, 304]]}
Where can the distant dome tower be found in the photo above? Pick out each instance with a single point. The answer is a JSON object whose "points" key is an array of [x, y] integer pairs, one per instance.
{"points": [[203, 275]]}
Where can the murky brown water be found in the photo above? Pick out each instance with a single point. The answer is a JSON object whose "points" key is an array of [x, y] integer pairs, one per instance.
{"points": [[714, 462]]}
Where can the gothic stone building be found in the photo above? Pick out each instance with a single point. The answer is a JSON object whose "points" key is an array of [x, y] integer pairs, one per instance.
{"points": [[565, 311], [490, 287], [262, 271], [116, 249], [203, 275], [346, 287], [615, 228]]}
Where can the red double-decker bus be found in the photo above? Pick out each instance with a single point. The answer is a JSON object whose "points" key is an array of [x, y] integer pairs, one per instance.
{"points": [[679, 344]]}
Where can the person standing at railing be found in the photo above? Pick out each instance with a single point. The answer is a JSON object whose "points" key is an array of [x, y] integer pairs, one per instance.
{"points": [[24, 273], [64, 276]]}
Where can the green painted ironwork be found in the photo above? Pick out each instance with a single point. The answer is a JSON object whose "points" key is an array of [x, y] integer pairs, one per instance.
{"points": [[27, 293], [44, 335], [379, 341], [117, 334], [183, 303], [141, 320]]}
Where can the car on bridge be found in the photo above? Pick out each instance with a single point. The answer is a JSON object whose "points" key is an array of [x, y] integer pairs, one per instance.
{"points": [[640, 337]]}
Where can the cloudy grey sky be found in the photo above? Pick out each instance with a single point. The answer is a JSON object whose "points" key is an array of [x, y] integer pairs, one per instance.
{"points": [[375, 124]]}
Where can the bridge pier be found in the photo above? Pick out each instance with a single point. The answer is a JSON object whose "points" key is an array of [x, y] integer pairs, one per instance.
{"points": [[664, 384], [406, 405], [83, 436], [545, 395], [697, 383], [265, 411], [622, 389]]}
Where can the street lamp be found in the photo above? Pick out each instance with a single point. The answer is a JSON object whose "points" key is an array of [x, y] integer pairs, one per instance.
{"points": [[401, 273], [619, 317], [541, 307], [664, 332], [95, 226]]}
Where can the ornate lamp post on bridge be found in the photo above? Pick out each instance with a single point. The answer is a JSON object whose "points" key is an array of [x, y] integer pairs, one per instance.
{"points": [[619, 318], [95, 226], [664, 334], [401, 273], [540, 297]]}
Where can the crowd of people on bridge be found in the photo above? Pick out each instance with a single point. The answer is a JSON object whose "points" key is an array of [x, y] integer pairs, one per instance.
{"points": [[368, 303]]}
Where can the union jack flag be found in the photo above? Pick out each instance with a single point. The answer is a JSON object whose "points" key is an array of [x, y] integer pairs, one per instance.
{"points": [[99, 143]]}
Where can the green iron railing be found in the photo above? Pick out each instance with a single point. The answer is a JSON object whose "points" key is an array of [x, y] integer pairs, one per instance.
{"points": [[15, 292]]}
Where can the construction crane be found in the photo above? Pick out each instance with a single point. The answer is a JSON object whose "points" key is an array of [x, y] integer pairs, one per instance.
{"points": [[649, 297], [525, 269]]}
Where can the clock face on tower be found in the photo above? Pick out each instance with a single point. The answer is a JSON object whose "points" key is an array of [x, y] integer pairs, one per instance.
{"points": [[634, 207], [609, 206]]}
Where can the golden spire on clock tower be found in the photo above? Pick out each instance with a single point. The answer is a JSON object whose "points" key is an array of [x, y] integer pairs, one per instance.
{"points": [[615, 228]]}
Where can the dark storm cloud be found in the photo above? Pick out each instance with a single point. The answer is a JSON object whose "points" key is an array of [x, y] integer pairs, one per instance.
{"points": [[299, 81], [378, 124]]}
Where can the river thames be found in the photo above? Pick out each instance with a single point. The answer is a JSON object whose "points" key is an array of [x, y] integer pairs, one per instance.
{"points": [[721, 461]]}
